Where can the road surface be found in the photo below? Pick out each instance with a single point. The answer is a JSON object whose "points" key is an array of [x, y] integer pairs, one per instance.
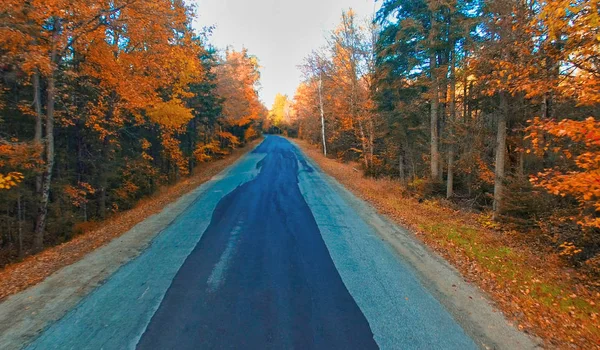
{"points": [[270, 256]]}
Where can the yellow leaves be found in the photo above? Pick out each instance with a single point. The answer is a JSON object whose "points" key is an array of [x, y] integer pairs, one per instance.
{"points": [[172, 152], [16, 157], [206, 152], [10, 180], [171, 114], [280, 111]]}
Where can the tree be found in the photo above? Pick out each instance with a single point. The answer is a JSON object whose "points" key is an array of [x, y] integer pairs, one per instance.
{"points": [[572, 29], [315, 70], [279, 115], [237, 79], [340, 79], [102, 104]]}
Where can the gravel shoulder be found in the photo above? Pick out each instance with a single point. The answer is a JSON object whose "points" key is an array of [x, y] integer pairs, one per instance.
{"points": [[23, 316], [469, 306]]}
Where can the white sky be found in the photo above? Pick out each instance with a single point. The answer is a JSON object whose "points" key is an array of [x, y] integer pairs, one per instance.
{"points": [[280, 33]]}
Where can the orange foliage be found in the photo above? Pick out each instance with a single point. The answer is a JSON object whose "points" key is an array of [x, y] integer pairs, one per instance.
{"points": [[582, 179], [531, 286], [577, 27], [10, 180], [78, 194], [17, 156], [173, 152], [207, 152], [237, 79], [229, 138], [172, 114]]}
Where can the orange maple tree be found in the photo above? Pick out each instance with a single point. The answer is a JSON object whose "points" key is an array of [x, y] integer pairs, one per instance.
{"points": [[575, 28]]}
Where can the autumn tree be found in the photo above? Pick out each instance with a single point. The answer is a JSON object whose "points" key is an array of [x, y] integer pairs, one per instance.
{"points": [[570, 31], [315, 69], [281, 112], [103, 103], [340, 76], [237, 80]]}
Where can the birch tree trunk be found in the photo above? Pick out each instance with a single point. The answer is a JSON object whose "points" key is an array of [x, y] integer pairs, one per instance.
{"points": [[40, 227], [435, 148], [322, 115], [38, 238]]}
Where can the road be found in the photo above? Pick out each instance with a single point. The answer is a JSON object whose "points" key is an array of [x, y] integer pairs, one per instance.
{"points": [[270, 256]]}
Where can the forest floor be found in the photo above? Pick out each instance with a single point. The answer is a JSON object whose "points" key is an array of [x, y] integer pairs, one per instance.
{"points": [[535, 289], [34, 269]]}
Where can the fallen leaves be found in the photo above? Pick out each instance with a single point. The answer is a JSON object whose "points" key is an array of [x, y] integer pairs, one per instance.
{"points": [[34, 269], [533, 288]]}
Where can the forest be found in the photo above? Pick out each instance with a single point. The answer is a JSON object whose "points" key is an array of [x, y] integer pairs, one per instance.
{"points": [[474, 124], [103, 102], [492, 106]]}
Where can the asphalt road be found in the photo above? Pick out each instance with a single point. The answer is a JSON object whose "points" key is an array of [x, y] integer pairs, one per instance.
{"points": [[269, 257]]}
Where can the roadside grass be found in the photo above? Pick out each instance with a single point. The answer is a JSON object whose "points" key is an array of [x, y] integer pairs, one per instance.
{"points": [[532, 286], [34, 269]]}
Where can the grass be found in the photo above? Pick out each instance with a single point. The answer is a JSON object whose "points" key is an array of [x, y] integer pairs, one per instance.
{"points": [[536, 291]]}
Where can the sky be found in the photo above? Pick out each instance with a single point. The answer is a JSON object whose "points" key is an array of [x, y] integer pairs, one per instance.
{"points": [[280, 33]]}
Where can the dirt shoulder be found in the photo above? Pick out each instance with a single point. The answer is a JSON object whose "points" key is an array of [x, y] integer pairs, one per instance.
{"points": [[534, 290], [34, 269]]}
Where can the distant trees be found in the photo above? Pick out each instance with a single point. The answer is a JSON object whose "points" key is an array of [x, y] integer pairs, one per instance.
{"points": [[237, 82], [491, 104], [101, 103], [280, 115], [339, 80]]}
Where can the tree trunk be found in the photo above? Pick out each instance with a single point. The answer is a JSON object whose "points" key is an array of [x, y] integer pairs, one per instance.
{"points": [[401, 170], [546, 108], [452, 119], [450, 177], [40, 226], [435, 149], [363, 141], [37, 138], [522, 165], [20, 250], [371, 131], [500, 156], [103, 179], [322, 116]]}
